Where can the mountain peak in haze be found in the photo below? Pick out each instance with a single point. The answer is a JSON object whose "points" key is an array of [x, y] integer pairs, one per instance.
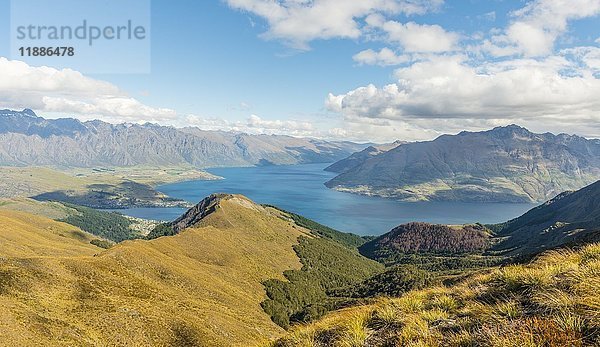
{"points": [[358, 158], [26, 139]]}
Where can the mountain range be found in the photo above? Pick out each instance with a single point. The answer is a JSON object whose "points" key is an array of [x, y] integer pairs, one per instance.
{"points": [[505, 164], [27, 139]]}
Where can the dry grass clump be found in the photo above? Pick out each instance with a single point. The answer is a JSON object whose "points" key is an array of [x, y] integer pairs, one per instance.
{"points": [[554, 301]]}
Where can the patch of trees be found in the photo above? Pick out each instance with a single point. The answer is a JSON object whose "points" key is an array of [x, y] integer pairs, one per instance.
{"points": [[164, 229], [326, 265], [393, 282], [439, 263], [109, 225], [101, 243], [429, 238]]}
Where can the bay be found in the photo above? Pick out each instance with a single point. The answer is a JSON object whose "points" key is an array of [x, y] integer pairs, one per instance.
{"points": [[300, 189]]}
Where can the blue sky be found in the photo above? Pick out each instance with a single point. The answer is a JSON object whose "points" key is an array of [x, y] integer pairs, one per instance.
{"points": [[236, 65]]}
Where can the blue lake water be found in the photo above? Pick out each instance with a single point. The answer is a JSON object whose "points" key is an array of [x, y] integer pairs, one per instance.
{"points": [[300, 189]]}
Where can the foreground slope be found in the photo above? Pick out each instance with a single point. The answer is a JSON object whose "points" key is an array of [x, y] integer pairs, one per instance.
{"points": [[200, 287], [25, 235], [555, 301], [505, 164]]}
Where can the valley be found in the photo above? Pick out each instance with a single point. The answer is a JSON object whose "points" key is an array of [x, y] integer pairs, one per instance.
{"points": [[183, 249], [231, 271], [97, 187]]}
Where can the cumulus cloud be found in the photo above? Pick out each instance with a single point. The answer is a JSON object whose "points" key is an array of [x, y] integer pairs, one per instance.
{"points": [[588, 57], [448, 87], [536, 27], [385, 57], [286, 126], [413, 37], [69, 92], [438, 90], [298, 22]]}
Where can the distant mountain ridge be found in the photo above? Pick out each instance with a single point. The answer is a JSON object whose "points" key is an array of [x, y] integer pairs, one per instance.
{"points": [[505, 164], [27, 139], [570, 219]]}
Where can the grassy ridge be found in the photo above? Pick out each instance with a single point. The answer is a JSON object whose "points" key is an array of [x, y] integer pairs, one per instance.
{"points": [[346, 239], [553, 301], [27, 235], [202, 287]]}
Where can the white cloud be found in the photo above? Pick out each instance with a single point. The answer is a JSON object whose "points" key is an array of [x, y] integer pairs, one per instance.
{"points": [[438, 92], [447, 87], [279, 126], [69, 92], [589, 57], [490, 16], [536, 27], [256, 125], [597, 40], [385, 57], [298, 22], [415, 37]]}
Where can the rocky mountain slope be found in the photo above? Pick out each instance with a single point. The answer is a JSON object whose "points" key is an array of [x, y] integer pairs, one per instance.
{"points": [[26, 139], [358, 158], [505, 164]]}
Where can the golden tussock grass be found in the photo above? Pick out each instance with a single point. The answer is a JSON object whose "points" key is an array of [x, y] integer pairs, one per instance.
{"points": [[554, 301], [199, 288]]}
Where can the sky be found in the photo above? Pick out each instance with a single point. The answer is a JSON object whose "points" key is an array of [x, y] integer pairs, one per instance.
{"points": [[368, 70]]}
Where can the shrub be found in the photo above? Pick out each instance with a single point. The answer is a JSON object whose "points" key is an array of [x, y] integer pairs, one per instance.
{"points": [[101, 243]]}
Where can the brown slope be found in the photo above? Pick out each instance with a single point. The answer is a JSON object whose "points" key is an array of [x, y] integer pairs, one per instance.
{"points": [[201, 287]]}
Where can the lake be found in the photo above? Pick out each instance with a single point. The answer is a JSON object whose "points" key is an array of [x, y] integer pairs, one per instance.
{"points": [[300, 189]]}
